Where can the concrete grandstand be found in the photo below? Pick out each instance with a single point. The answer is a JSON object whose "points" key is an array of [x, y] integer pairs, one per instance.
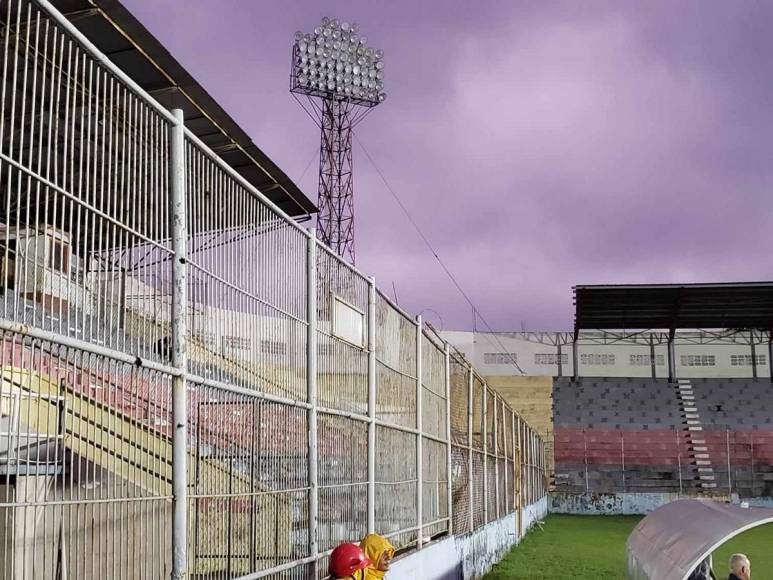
{"points": [[658, 391]]}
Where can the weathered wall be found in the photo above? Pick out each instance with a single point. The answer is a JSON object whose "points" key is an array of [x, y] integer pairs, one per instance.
{"points": [[470, 556], [532, 397], [611, 503]]}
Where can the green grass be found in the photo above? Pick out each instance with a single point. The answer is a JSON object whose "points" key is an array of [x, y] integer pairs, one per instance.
{"points": [[593, 548]]}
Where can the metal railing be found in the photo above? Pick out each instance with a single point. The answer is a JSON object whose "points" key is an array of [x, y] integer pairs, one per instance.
{"points": [[190, 385]]}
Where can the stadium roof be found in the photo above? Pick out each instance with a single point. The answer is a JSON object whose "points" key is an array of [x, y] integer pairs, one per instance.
{"points": [[741, 305], [113, 29], [674, 539]]}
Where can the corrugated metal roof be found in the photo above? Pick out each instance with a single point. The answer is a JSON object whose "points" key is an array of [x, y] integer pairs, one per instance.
{"points": [[128, 44], [738, 305]]}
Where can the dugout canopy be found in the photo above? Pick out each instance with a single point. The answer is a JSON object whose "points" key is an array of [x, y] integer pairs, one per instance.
{"points": [[671, 541]]}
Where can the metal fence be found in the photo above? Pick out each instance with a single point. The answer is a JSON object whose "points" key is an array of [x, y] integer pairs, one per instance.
{"points": [[192, 386]]}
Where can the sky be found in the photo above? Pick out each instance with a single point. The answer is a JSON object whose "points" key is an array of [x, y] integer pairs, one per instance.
{"points": [[538, 145]]}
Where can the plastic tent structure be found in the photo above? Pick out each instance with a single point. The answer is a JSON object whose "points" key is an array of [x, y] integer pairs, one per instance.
{"points": [[671, 541]]}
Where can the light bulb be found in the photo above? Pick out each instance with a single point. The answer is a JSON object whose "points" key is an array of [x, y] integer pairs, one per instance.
{"points": [[381, 97], [348, 69], [337, 44], [318, 30], [345, 26], [379, 53], [354, 39], [335, 23], [363, 40], [380, 74], [356, 69], [298, 36], [356, 81], [331, 86], [336, 34], [325, 21], [303, 80], [347, 90], [380, 65], [339, 66], [347, 80]]}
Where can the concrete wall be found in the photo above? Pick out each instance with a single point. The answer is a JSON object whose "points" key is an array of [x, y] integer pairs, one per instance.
{"points": [[470, 556], [609, 504]]}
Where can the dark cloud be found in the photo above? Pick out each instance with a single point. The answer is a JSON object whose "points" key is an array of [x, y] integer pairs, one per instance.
{"points": [[539, 147]]}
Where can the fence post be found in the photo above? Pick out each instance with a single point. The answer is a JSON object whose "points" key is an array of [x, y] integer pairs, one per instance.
{"points": [[179, 351], [729, 480], [520, 476], [419, 436], [470, 478], [449, 461], [504, 448], [485, 453], [496, 456], [311, 390], [371, 405]]}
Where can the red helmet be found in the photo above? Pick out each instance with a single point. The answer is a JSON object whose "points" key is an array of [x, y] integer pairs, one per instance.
{"points": [[346, 559]]}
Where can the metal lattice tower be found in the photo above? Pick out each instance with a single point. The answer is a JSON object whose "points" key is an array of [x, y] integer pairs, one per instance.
{"points": [[335, 221], [342, 79]]}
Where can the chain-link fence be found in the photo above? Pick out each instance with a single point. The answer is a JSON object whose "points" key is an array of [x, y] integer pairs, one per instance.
{"points": [[190, 384]]}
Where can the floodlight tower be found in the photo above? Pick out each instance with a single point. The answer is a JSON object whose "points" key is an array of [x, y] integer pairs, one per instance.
{"points": [[342, 79]]}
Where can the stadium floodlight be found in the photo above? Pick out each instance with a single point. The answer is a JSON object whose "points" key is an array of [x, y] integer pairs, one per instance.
{"points": [[342, 78], [335, 47]]}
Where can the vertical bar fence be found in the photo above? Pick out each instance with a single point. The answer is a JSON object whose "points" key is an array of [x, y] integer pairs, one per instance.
{"points": [[190, 385]]}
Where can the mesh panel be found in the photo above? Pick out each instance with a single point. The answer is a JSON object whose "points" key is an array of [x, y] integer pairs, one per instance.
{"points": [[396, 481], [343, 475], [478, 498], [459, 402], [491, 490], [460, 473], [342, 378], [248, 458], [477, 413], [435, 486]]}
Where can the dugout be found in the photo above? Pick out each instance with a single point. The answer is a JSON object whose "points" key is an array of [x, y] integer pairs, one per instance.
{"points": [[671, 541]]}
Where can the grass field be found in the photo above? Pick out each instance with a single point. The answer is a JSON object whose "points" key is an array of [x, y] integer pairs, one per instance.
{"points": [[593, 547]]}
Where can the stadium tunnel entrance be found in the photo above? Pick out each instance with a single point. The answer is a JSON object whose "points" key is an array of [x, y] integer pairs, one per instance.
{"points": [[673, 540]]}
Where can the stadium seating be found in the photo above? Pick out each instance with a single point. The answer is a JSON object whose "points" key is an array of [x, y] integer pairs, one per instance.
{"points": [[636, 435]]}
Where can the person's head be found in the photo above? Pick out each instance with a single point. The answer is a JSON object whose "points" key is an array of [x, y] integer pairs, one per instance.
{"points": [[740, 566], [379, 550], [347, 559]]}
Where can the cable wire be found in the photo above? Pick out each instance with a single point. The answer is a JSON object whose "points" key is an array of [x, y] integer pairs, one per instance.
{"points": [[475, 310]]}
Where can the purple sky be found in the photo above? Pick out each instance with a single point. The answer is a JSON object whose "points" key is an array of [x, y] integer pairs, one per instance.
{"points": [[537, 146]]}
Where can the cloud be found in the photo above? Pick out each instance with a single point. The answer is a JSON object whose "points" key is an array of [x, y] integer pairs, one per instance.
{"points": [[537, 146]]}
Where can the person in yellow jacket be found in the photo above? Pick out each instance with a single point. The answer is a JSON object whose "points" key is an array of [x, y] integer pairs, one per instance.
{"points": [[380, 552]]}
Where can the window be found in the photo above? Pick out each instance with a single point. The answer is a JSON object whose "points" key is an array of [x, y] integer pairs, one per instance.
{"points": [[59, 256], [745, 360], [499, 358], [273, 347], [597, 359], [645, 360], [236, 343], [697, 360], [206, 339], [550, 358]]}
